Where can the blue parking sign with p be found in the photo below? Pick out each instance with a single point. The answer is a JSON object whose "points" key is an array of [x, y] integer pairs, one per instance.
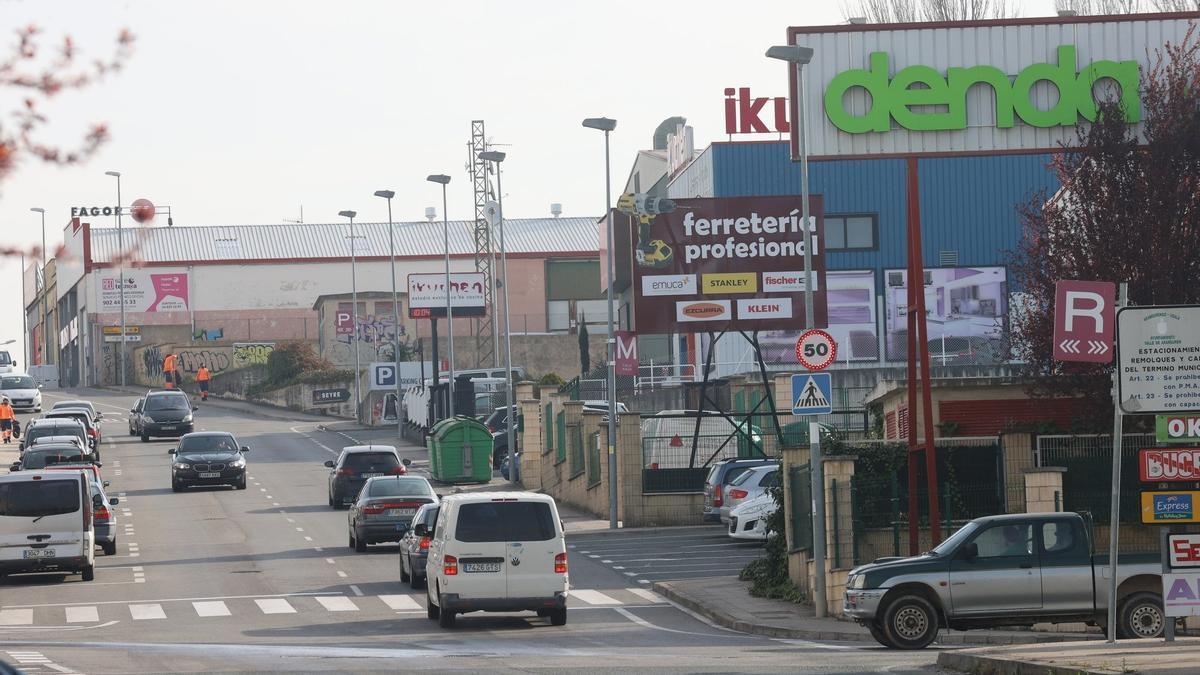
{"points": [[812, 394], [385, 375]]}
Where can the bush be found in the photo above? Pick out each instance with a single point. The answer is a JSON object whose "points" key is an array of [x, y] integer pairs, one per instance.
{"points": [[769, 574], [329, 376], [290, 359], [551, 379]]}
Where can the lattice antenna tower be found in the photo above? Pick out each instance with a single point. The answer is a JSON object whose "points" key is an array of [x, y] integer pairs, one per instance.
{"points": [[487, 355]]}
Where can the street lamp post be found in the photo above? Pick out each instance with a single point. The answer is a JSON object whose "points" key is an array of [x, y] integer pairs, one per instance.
{"points": [[444, 180], [388, 194], [24, 318], [799, 56], [45, 313], [120, 274], [607, 125], [510, 412], [354, 316]]}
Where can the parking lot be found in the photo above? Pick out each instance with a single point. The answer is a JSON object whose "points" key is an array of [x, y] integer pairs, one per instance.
{"points": [[668, 553]]}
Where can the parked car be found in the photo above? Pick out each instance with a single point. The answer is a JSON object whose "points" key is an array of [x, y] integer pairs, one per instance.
{"points": [[355, 465], [1008, 570], [135, 417], [667, 438], [166, 413], [498, 420], [748, 520], [500, 447], [749, 485], [80, 403], [601, 406], [91, 469], [46, 523], [496, 552], [414, 548], [385, 508], [84, 417], [104, 517], [208, 458], [54, 427], [24, 394], [719, 476], [43, 455]]}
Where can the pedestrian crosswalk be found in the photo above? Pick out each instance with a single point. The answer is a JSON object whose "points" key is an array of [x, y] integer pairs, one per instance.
{"points": [[213, 608]]}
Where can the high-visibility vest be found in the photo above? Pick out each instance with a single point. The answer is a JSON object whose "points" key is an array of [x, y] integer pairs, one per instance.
{"points": [[202, 375], [169, 362], [6, 412]]}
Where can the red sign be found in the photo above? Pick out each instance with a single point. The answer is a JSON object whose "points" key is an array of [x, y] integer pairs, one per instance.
{"points": [[1184, 550], [1084, 320], [746, 114], [627, 357], [1169, 465], [419, 312], [816, 349]]}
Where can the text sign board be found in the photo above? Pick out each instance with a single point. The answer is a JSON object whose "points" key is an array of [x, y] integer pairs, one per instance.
{"points": [[627, 355], [1169, 465], [812, 394], [427, 294], [816, 349], [1181, 593], [728, 264], [116, 330], [330, 396], [383, 375], [1158, 352], [144, 291], [1183, 550], [1083, 321], [1170, 507], [1177, 428]]}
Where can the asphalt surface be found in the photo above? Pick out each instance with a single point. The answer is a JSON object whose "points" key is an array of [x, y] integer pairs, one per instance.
{"points": [[668, 554], [217, 580]]}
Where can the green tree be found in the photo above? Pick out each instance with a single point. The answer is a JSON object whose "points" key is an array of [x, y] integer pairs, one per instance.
{"points": [[585, 357]]}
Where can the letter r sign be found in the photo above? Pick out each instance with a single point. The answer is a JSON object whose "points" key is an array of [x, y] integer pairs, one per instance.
{"points": [[1083, 321]]}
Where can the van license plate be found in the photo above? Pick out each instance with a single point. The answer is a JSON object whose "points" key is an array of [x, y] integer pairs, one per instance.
{"points": [[481, 567], [210, 474], [39, 553]]}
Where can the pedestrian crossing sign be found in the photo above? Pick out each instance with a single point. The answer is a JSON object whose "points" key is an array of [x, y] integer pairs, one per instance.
{"points": [[812, 394]]}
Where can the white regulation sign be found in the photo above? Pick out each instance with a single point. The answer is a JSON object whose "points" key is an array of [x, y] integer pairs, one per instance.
{"points": [[1158, 352]]}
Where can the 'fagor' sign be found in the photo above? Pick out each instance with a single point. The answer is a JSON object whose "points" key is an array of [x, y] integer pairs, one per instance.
{"points": [[1166, 465]]}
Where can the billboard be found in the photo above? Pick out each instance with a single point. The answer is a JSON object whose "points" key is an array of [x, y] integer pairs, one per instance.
{"points": [[144, 291], [427, 294], [727, 264], [966, 311], [852, 321]]}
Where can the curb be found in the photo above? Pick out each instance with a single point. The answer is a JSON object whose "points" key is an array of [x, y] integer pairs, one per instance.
{"points": [[267, 411], [990, 665], [625, 531]]}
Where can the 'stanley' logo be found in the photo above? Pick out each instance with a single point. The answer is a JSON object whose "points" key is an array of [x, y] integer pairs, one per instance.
{"points": [[943, 100]]}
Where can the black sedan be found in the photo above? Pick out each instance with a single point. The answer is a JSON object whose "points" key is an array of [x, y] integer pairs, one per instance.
{"points": [[208, 458], [414, 548]]}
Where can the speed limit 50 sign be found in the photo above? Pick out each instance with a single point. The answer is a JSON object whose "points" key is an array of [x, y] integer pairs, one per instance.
{"points": [[815, 349]]}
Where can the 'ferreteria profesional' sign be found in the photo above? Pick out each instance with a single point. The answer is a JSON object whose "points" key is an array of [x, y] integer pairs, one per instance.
{"points": [[920, 98]]}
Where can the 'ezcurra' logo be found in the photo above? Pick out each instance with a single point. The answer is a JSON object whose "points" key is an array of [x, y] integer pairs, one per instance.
{"points": [[896, 99]]}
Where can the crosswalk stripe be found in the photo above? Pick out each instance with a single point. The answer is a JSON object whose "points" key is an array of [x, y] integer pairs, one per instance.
{"points": [[646, 595], [275, 606], [83, 614], [16, 617], [400, 602], [214, 608], [146, 612], [595, 598], [337, 603]]}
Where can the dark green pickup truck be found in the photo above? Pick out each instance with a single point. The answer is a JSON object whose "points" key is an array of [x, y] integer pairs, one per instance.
{"points": [[1011, 570]]}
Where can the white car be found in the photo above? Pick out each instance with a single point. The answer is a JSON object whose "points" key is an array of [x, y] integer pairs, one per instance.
{"points": [[749, 485], [20, 389], [7, 365], [749, 520]]}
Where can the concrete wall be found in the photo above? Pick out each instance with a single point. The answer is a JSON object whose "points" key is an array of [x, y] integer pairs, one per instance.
{"points": [[299, 397], [538, 354]]}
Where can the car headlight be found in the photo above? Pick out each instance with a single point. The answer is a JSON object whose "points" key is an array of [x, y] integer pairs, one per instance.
{"points": [[146, 419], [237, 463], [181, 465], [187, 419]]}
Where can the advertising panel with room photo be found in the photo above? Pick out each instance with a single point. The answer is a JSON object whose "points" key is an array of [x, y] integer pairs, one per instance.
{"points": [[966, 312]]}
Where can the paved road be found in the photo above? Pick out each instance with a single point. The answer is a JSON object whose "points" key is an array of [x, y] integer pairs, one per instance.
{"points": [[667, 554], [262, 579]]}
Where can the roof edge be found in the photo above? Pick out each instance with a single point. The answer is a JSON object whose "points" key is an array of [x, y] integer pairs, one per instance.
{"points": [[793, 31]]}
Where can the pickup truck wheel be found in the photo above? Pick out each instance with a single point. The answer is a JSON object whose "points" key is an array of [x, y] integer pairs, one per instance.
{"points": [[910, 622], [1141, 616], [879, 635]]}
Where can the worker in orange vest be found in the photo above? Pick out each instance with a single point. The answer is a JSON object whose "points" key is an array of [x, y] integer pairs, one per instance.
{"points": [[169, 371], [202, 378], [7, 417]]}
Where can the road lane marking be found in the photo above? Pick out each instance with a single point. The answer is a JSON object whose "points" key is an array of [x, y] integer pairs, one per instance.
{"points": [[595, 598], [211, 608], [89, 614], [16, 617], [330, 561], [342, 574], [646, 595], [275, 606], [211, 597], [146, 612], [309, 539], [357, 591], [338, 603], [401, 602]]}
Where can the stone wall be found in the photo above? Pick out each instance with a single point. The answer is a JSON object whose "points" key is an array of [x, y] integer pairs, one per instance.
{"points": [[538, 354]]}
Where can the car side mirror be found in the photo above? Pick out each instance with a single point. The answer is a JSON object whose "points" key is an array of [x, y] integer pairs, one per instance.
{"points": [[329, 463], [100, 465], [171, 451], [245, 448], [969, 552], [406, 461], [133, 410], [421, 530], [195, 408], [16, 466], [99, 415], [114, 500], [106, 483]]}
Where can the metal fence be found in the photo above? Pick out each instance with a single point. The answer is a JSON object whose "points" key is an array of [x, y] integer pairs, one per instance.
{"points": [[800, 489], [560, 441], [575, 449], [1087, 483], [593, 459]]}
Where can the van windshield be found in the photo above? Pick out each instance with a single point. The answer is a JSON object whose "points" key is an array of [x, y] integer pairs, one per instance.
{"points": [[505, 521], [33, 499]]}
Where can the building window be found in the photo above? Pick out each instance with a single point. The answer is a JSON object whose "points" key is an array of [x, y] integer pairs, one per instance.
{"points": [[852, 232]]}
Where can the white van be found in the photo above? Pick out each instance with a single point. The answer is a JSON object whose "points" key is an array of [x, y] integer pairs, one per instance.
{"points": [[497, 552], [46, 523]]}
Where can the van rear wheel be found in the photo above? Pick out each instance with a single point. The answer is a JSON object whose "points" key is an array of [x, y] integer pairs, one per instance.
{"points": [[432, 611], [558, 617], [88, 572], [446, 617]]}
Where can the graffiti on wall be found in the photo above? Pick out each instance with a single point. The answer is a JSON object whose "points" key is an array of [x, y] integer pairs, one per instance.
{"points": [[251, 353], [190, 360], [152, 361], [208, 334], [376, 331]]}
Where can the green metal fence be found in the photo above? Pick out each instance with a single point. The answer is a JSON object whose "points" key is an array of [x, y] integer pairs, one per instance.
{"points": [[548, 427], [1087, 483], [800, 492], [560, 445], [575, 449], [593, 459]]}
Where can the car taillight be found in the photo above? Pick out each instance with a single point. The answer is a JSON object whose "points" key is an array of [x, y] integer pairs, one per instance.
{"points": [[398, 471], [560, 563], [373, 509], [737, 494], [92, 433], [450, 566], [424, 543], [345, 472], [101, 515], [718, 498]]}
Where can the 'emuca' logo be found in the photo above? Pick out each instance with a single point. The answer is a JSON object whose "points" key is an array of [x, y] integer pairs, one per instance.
{"points": [[941, 102]]}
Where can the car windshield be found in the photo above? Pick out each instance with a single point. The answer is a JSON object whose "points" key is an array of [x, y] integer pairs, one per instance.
{"points": [[955, 539], [223, 443], [82, 405], [742, 477], [5, 359], [41, 430], [505, 521], [30, 499], [40, 459], [167, 403], [17, 382], [400, 487], [370, 461]]}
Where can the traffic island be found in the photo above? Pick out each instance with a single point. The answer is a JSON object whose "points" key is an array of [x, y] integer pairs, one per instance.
{"points": [[1102, 658]]}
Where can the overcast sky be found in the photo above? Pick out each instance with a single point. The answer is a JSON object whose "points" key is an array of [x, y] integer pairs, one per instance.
{"points": [[242, 112]]}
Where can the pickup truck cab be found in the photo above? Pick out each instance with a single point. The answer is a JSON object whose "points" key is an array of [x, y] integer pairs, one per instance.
{"points": [[1010, 570]]}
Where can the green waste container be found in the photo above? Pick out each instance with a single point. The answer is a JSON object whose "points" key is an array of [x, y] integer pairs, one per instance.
{"points": [[460, 451]]}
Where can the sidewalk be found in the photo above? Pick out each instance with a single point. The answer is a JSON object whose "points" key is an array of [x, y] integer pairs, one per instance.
{"points": [[9, 454], [1095, 656], [727, 602]]}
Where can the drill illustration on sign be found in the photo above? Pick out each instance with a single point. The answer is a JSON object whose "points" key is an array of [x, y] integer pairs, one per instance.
{"points": [[654, 253]]}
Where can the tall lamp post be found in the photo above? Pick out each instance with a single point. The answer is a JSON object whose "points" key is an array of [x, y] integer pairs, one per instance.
{"points": [[354, 316], [24, 318], [509, 411], [45, 313], [799, 57], [607, 125], [443, 180], [120, 275], [388, 194]]}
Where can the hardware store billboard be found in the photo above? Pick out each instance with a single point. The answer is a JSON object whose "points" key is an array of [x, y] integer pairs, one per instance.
{"points": [[727, 264]]}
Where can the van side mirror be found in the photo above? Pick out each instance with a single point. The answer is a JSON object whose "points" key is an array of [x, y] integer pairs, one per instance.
{"points": [[969, 551], [245, 448], [195, 408], [171, 451], [329, 463], [16, 466], [406, 461], [421, 530], [114, 500]]}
